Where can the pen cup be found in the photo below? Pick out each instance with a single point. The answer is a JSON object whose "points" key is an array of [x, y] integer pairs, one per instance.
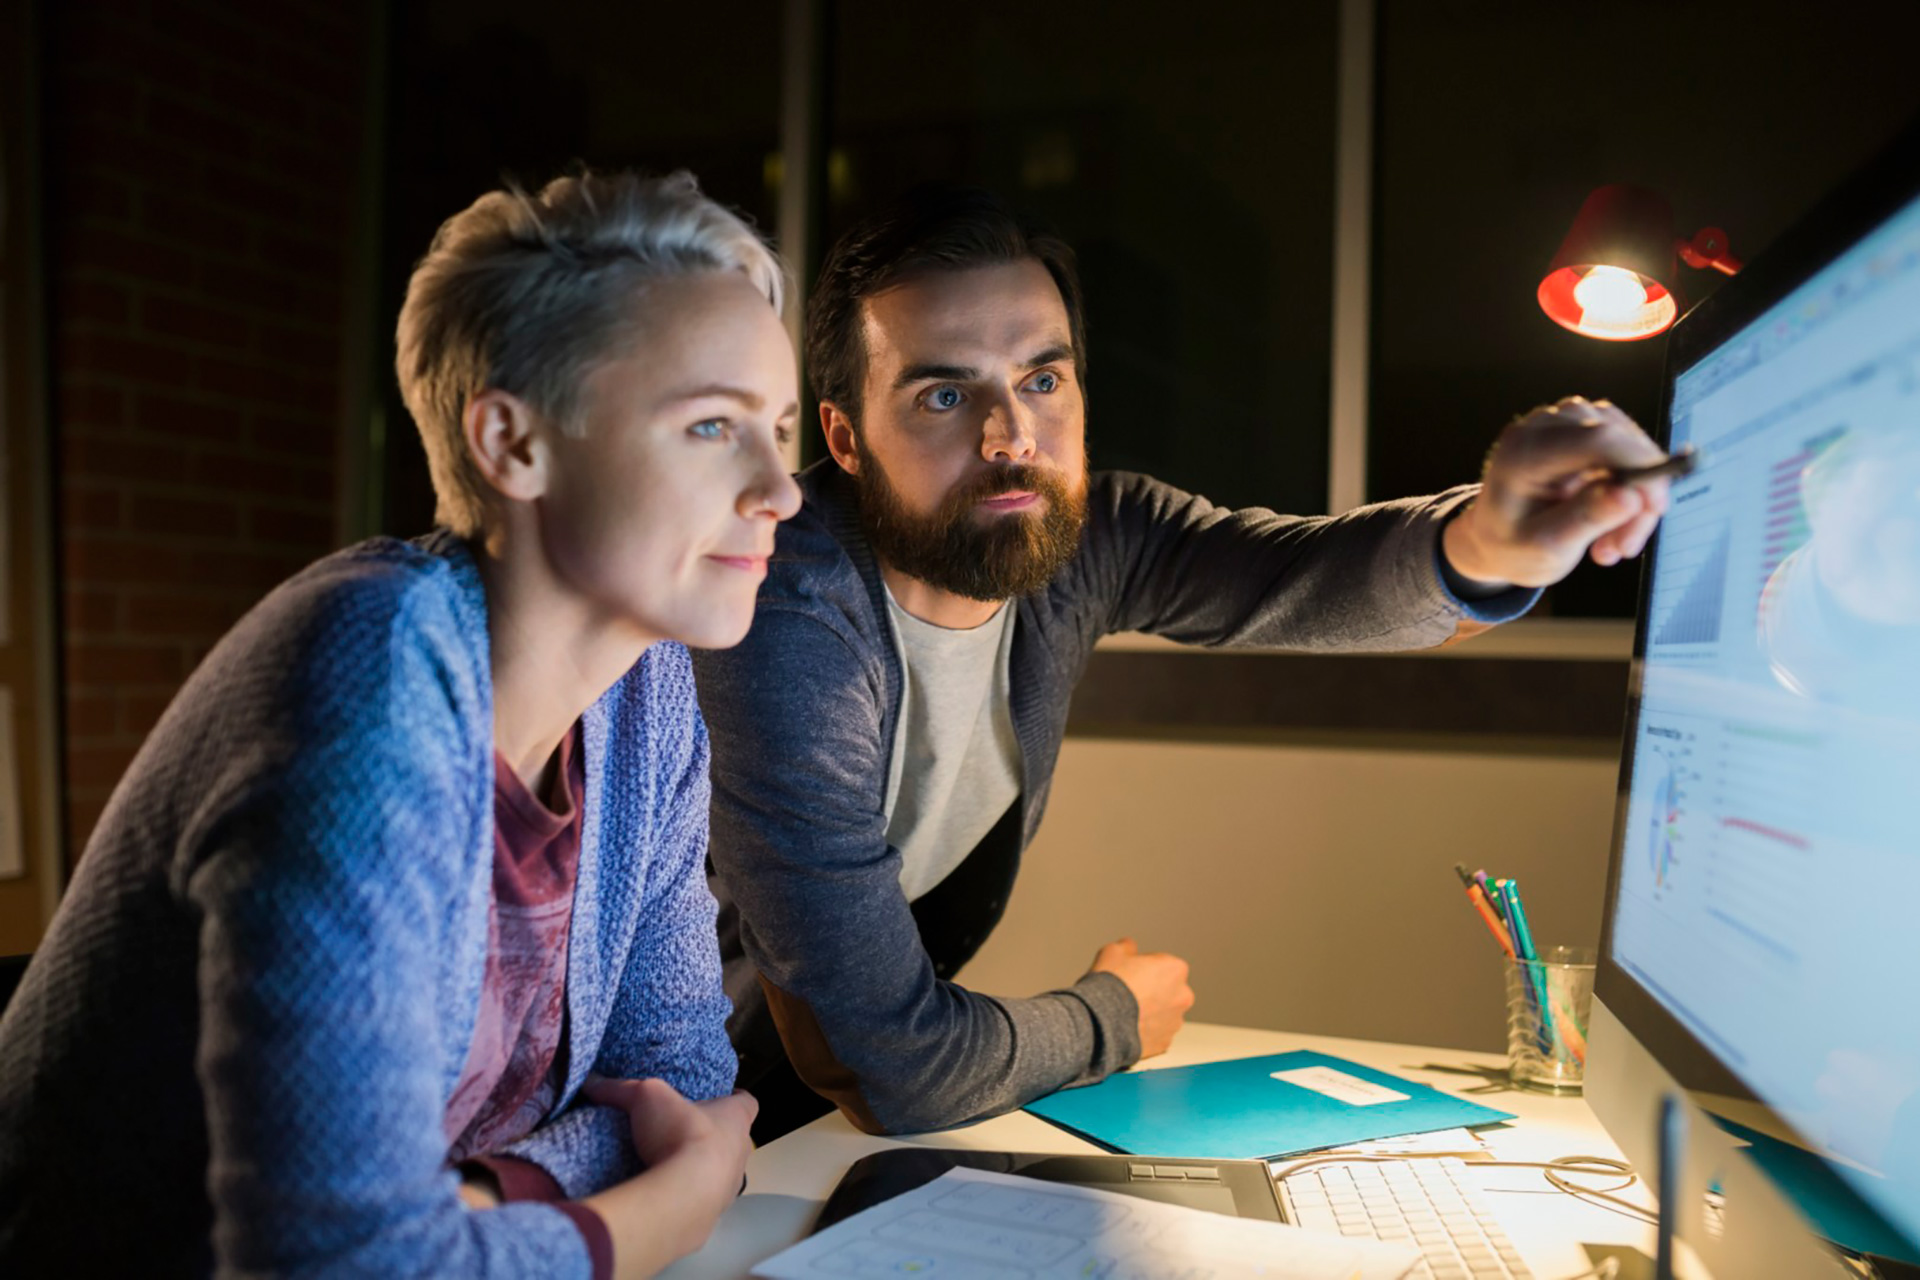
{"points": [[1548, 1003]]}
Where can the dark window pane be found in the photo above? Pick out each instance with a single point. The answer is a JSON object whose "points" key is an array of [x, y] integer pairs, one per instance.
{"points": [[483, 89], [1188, 156]]}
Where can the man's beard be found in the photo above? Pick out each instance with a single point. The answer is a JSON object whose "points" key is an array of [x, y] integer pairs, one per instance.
{"points": [[955, 549]]}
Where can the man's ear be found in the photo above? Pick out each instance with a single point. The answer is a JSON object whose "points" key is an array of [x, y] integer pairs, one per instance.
{"points": [[838, 429], [502, 441]]}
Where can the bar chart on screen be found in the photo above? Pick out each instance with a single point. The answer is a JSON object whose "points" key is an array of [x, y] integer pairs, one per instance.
{"points": [[1694, 616], [1759, 860]]}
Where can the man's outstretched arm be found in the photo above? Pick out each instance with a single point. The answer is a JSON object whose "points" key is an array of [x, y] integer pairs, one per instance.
{"points": [[1406, 574]]}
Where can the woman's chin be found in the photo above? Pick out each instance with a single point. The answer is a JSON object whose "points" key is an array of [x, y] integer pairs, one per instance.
{"points": [[716, 633]]}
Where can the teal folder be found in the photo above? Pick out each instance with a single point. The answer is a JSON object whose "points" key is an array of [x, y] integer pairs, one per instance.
{"points": [[1240, 1110]]}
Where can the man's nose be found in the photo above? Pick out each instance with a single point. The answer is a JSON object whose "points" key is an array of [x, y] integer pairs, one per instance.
{"points": [[1007, 434]]}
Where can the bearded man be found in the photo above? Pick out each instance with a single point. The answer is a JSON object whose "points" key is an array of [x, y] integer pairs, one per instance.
{"points": [[884, 740]]}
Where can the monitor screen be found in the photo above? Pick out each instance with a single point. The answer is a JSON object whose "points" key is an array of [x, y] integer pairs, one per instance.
{"points": [[1767, 862]]}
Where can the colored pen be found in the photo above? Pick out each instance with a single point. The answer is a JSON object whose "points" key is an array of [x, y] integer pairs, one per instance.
{"points": [[1567, 1027], [1523, 949], [1486, 887], [1481, 904], [1536, 977], [1517, 919]]}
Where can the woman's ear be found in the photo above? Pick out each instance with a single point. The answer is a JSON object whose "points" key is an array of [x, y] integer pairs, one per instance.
{"points": [[505, 446]]}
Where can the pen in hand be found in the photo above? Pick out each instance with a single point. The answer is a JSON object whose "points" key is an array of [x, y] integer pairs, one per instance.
{"points": [[1678, 466]]}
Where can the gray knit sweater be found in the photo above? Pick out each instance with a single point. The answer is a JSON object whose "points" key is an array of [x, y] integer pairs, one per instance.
{"points": [[817, 938]]}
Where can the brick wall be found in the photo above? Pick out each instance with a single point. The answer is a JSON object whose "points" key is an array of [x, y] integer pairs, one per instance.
{"points": [[202, 161]]}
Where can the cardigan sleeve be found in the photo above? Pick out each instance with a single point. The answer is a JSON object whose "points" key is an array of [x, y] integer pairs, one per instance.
{"points": [[327, 861], [668, 1015], [669, 1019]]}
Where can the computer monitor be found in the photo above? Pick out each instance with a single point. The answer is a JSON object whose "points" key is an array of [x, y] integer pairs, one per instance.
{"points": [[1761, 937]]}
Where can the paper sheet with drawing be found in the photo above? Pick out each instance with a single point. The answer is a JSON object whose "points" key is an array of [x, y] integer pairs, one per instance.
{"points": [[969, 1224]]}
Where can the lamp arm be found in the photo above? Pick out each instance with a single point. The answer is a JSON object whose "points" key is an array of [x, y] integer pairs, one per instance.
{"points": [[1708, 248]]}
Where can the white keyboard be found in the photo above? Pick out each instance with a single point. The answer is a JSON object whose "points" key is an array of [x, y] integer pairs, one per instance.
{"points": [[1431, 1204]]}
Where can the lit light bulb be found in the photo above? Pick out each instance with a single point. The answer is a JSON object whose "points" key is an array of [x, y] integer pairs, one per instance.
{"points": [[1610, 295]]}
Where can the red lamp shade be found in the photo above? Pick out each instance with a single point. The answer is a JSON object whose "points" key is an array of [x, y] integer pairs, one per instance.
{"points": [[1610, 278]]}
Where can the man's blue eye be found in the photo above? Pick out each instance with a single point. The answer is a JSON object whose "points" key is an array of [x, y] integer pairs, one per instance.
{"points": [[1046, 382], [944, 397], [711, 429]]}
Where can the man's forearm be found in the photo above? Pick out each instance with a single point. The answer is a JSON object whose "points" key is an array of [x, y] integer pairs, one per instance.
{"points": [[989, 1057]]}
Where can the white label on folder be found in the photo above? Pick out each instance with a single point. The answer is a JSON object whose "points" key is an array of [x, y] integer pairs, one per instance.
{"points": [[1340, 1086]]}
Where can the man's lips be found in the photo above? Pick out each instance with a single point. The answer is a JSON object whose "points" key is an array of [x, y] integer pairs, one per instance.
{"points": [[1017, 500]]}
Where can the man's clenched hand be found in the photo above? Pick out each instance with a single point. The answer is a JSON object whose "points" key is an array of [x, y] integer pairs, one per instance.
{"points": [[1159, 985]]}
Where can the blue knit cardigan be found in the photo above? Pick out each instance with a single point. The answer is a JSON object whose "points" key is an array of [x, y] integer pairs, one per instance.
{"points": [[234, 1050]]}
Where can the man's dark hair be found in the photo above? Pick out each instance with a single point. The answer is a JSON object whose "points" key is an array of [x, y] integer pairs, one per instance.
{"points": [[934, 227]]}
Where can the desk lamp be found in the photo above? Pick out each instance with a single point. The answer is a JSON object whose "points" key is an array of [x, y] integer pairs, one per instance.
{"points": [[1611, 277]]}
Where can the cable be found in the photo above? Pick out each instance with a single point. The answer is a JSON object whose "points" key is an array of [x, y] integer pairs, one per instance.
{"points": [[1555, 1173], [1557, 1169]]}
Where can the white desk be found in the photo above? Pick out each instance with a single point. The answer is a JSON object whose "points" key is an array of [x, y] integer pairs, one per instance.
{"points": [[788, 1180]]}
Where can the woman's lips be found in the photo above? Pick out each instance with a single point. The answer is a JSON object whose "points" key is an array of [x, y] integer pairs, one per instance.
{"points": [[747, 564]]}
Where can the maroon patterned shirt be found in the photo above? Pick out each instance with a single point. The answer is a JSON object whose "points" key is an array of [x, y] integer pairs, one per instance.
{"points": [[516, 1064]]}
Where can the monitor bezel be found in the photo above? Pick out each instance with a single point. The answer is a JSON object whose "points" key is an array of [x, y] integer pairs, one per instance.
{"points": [[1887, 184]]}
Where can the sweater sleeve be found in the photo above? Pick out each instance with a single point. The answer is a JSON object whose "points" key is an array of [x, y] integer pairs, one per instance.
{"points": [[667, 1017], [669, 1023], [1171, 563], [325, 862], [521, 1181], [799, 838]]}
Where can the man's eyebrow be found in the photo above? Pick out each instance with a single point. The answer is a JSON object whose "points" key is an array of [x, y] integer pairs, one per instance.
{"points": [[1054, 354], [933, 373], [1058, 353]]}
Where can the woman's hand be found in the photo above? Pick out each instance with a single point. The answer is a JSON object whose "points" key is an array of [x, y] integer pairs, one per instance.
{"points": [[696, 1157]]}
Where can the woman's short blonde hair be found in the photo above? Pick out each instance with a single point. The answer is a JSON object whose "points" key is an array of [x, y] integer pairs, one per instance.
{"points": [[527, 293]]}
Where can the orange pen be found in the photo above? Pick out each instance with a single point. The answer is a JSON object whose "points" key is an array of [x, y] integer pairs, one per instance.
{"points": [[1478, 897]]}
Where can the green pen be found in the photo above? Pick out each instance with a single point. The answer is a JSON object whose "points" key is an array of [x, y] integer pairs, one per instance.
{"points": [[1528, 958], [1517, 919]]}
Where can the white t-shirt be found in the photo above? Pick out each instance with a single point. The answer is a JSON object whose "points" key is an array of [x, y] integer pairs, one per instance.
{"points": [[956, 761]]}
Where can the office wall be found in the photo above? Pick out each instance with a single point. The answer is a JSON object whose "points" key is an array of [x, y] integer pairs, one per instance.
{"points": [[203, 163], [29, 828], [1310, 887]]}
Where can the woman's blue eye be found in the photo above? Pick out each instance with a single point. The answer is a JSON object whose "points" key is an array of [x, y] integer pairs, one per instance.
{"points": [[711, 429], [1046, 382], [944, 397]]}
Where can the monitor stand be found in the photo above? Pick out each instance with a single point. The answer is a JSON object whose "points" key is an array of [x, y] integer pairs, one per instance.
{"points": [[1727, 1219]]}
